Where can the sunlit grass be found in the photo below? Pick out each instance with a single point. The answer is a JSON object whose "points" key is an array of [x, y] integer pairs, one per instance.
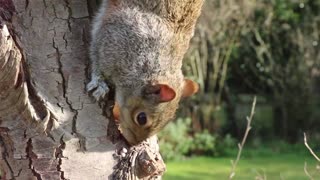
{"points": [[277, 166]]}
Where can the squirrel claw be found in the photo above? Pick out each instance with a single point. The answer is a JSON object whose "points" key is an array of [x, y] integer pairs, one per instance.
{"points": [[99, 88]]}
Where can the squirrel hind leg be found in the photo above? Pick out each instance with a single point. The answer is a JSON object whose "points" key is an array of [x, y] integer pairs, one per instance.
{"points": [[98, 87]]}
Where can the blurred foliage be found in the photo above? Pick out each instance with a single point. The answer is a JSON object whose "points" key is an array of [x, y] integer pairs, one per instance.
{"points": [[203, 143], [247, 47], [176, 141], [276, 57], [208, 56], [226, 146]]}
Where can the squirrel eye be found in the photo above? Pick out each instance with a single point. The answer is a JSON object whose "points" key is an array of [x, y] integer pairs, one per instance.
{"points": [[142, 118]]}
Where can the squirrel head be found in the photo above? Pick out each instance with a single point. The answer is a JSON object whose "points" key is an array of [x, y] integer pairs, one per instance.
{"points": [[142, 116]]}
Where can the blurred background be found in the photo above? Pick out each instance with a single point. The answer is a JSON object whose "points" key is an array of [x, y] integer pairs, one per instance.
{"points": [[241, 49]]}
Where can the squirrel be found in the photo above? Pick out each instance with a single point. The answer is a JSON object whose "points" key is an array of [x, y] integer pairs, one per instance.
{"points": [[137, 46]]}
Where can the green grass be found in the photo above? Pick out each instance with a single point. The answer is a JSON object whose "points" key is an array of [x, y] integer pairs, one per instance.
{"points": [[288, 166]]}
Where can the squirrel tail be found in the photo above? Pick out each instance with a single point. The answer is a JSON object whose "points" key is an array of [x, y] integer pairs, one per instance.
{"points": [[181, 14]]}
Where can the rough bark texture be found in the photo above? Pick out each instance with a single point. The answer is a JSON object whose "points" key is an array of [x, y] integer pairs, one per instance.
{"points": [[49, 127]]}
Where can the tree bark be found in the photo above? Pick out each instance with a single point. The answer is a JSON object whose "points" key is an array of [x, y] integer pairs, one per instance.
{"points": [[49, 127]]}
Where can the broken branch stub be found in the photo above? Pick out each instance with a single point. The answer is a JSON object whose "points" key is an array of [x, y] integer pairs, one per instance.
{"points": [[142, 161]]}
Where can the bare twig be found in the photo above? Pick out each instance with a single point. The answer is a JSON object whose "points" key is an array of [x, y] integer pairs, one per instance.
{"points": [[249, 119], [260, 176], [306, 171], [311, 151]]}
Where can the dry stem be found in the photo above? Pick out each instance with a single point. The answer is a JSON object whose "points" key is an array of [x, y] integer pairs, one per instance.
{"points": [[306, 171], [311, 151], [313, 154], [249, 119]]}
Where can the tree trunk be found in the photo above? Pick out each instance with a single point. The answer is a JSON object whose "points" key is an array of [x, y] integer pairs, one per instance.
{"points": [[49, 127]]}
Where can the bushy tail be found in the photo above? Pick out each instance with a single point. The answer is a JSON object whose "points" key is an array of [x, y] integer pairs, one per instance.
{"points": [[181, 14]]}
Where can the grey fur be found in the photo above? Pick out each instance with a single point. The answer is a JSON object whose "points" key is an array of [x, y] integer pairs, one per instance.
{"points": [[133, 48]]}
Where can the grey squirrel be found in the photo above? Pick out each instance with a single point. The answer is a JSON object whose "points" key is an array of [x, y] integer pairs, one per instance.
{"points": [[138, 46]]}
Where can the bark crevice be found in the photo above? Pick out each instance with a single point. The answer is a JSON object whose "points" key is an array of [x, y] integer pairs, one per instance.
{"points": [[31, 155], [59, 156], [5, 154]]}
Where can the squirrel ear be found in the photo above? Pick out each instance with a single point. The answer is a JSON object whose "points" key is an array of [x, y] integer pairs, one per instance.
{"points": [[190, 88], [166, 93], [116, 111], [163, 92]]}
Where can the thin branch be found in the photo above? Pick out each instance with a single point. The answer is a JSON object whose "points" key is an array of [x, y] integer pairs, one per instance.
{"points": [[260, 176], [311, 151], [306, 171], [249, 119]]}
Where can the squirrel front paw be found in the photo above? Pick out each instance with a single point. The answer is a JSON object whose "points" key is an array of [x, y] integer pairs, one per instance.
{"points": [[98, 87]]}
